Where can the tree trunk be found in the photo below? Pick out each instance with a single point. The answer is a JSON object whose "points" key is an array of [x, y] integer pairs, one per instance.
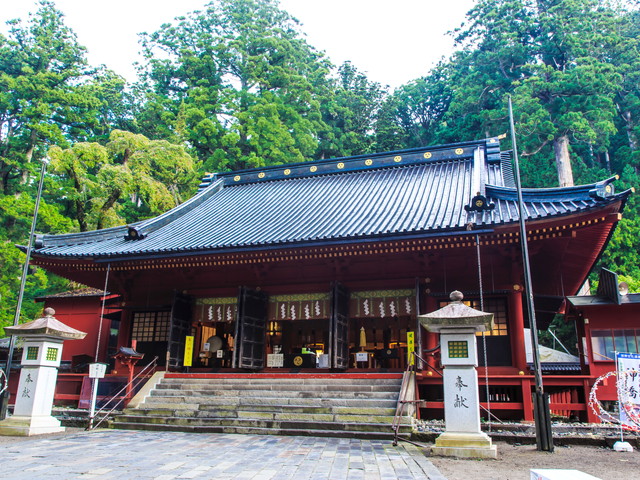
{"points": [[563, 161], [633, 140], [108, 204], [28, 157]]}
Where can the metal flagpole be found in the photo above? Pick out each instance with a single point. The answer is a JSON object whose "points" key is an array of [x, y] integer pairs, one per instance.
{"points": [[542, 415], [95, 379], [4, 401]]}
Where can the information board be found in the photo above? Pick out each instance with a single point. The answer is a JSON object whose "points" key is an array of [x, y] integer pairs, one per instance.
{"points": [[628, 365]]}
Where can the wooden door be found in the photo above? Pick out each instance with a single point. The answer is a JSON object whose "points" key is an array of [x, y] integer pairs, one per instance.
{"points": [[179, 328], [251, 324], [339, 331]]}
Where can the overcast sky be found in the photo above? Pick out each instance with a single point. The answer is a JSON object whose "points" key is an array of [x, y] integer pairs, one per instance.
{"points": [[394, 41]]}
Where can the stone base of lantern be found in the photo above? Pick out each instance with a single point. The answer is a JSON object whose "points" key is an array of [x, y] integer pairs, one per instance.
{"points": [[21, 426], [464, 445]]}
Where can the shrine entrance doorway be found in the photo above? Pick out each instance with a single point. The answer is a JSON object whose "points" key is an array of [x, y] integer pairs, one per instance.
{"points": [[334, 330]]}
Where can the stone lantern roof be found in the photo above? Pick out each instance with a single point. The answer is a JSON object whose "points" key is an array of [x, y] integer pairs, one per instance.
{"points": [[47, 325], [457, 315]]}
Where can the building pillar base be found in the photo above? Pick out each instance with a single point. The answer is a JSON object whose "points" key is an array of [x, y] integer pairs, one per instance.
{"points": [[464, 445], [22, 426]]}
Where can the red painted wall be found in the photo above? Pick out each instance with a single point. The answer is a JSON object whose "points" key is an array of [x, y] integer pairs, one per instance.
{"points": [[82, 313], [625, 316]]}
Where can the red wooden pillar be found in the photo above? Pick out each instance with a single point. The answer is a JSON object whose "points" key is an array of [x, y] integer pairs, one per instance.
{"points": [[518, 349], [431, 340], [591, 416], [516, 317]]}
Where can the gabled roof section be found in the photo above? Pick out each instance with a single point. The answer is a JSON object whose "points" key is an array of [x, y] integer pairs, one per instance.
{"points": [[410, 193]]}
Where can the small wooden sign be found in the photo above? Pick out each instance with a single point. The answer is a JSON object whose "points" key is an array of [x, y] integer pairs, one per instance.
{"points": [[411, 347], [188, 351], [275, 360]]}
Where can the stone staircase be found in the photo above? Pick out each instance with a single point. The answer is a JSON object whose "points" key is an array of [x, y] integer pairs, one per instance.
{"points": [[332, 405]]}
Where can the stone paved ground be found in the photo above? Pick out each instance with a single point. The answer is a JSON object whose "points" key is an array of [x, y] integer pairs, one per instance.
{"points": [[119, 454]]}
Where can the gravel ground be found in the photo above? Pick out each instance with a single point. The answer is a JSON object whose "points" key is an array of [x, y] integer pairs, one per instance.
{"points": [[515, 461]]}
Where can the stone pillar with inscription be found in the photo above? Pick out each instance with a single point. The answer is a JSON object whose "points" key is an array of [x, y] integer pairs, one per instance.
{"points": [[41, 355], [457, 325]]}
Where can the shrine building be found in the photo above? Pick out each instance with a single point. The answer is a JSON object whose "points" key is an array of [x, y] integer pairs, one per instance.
{"points": [[323, 267]]}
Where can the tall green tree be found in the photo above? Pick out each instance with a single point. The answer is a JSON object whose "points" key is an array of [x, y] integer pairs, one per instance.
{"points": [[350, 110], [238, 82], [129, 178], [553, 57], [625, 55], [42, 96], [413, 115]]}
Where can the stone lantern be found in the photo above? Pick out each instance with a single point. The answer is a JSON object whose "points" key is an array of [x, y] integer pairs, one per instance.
{"points": [[41, 355], [457, 324]]}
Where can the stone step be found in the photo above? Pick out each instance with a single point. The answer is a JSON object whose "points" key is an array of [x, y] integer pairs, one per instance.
{"points": [[256, 423], [300, 405], [252, 414], [267, 401], [374, 435], [223, 410], [272, 394], [236, 387], [338, 410], [278, 381], [172, 401]]}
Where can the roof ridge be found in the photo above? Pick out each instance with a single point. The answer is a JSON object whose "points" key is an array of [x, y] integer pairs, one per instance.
{"points": [[373, 161], [142, 228], [147, 226]]}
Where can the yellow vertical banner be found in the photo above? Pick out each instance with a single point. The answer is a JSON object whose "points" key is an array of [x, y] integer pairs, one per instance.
{"points": [[411, 347], [188, 350]]}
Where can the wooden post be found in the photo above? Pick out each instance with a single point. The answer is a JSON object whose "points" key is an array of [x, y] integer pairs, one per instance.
{"points": [[516, 317], [431, 338]]}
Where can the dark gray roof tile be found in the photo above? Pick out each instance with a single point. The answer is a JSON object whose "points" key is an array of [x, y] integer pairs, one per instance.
{"points": [[413, 192]]}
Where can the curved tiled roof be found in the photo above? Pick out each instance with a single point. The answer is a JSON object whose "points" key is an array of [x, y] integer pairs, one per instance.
{"points": [[416, 192]]}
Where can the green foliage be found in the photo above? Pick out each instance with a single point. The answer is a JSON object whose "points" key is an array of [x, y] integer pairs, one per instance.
{"points": [[153, 175], [237, 86], [350, 109], [565, 335], [238, 82], [414, 114], [42, 96]]}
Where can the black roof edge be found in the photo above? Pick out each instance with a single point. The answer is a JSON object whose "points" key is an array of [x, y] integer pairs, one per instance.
{"points": [[578, 301], [446, 146], [509, 193], [299, 244], [143, 226], [608, 286], [147, 226]]}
